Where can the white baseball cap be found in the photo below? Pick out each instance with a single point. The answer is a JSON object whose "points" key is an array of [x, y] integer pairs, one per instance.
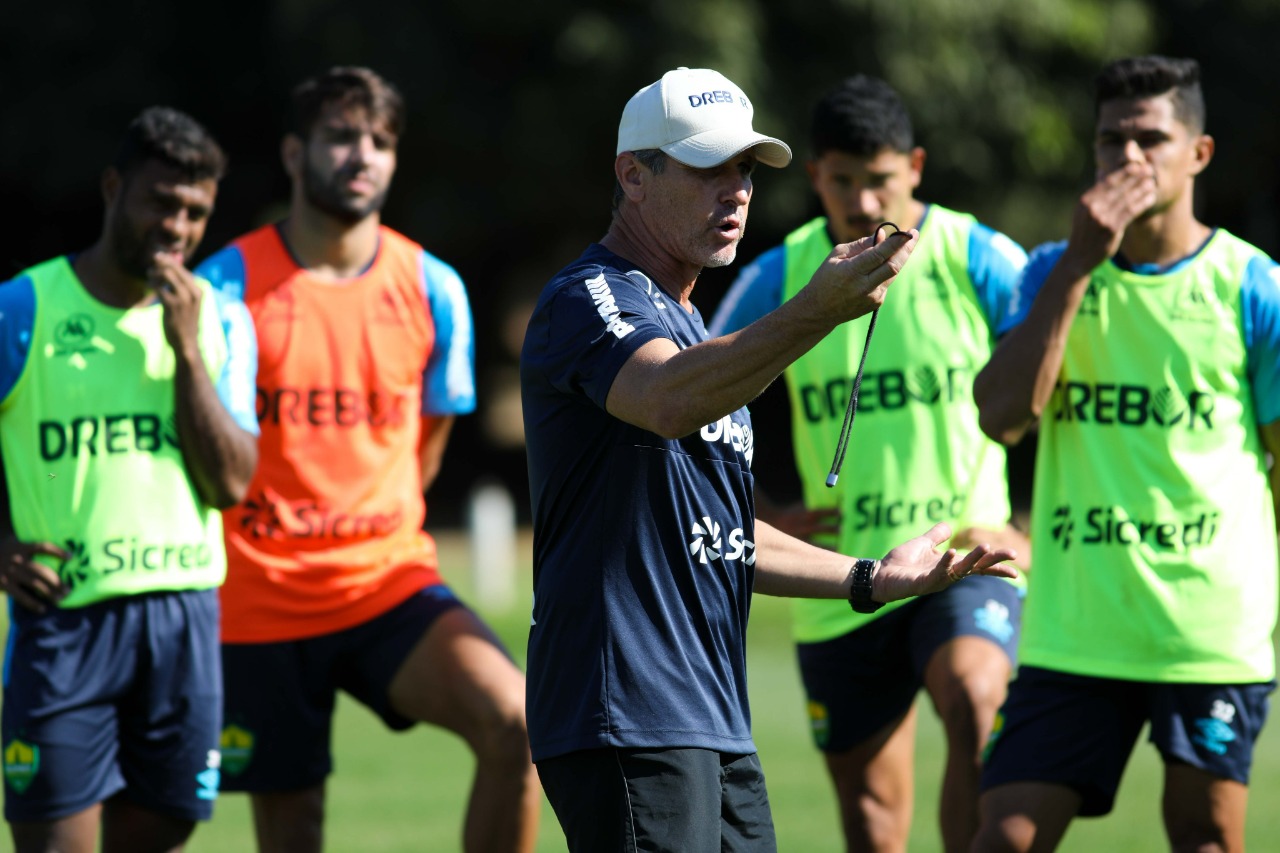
{"points": [[699, 117]]}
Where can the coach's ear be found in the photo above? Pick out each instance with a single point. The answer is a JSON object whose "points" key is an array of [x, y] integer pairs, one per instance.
{"points": [[633, 176]]}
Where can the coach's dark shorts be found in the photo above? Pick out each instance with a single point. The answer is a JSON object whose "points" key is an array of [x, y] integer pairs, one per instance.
{"points": [[120, 696], [861, 681], [1079, 731], [677, 800], [280, 696]]}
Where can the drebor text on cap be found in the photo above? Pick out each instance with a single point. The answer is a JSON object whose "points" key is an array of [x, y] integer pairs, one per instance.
{"points": [[719, 96]]}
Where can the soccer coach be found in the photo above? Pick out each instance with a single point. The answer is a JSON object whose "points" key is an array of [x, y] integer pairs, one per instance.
{"points": [[646, 550]]}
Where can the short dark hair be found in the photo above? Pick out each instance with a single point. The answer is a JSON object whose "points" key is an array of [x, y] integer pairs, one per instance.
{"points": [[653, 159], [1153, 76], [860, 116], [173, 138], [350, 86]]}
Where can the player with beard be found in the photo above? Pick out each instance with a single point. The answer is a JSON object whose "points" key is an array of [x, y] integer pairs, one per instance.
{"points": [[367, 357], [126, 422]]}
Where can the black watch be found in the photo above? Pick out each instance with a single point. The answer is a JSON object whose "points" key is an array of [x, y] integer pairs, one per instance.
{"points": [[860, 586]]}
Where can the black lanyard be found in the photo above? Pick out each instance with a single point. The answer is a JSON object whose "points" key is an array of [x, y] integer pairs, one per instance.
{"points": [[849, 413]]}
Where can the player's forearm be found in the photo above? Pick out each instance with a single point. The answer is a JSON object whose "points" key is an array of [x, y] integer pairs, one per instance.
{"points": [[1015, 386], [220, 456]]}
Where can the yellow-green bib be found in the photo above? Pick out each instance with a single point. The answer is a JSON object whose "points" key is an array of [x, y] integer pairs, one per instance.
{"points": [[916, 455], [90, 444], [1152, 517]]}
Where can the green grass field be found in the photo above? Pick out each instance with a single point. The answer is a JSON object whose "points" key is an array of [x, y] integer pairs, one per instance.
{"points": [[395, 793]]}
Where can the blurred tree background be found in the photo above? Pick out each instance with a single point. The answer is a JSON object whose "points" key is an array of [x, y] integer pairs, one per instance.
{"points": [[505, 169]]}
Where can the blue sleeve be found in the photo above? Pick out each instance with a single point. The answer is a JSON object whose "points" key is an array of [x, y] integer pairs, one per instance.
{"points": [[237, 385], [588, 330], [225, 271], [17, 322], [1260, 309], [1040, 263], [995, 264], [448, 381], [755, 292]]}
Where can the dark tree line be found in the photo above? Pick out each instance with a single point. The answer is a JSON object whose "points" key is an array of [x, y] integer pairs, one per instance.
{"points": [[505, 169]]}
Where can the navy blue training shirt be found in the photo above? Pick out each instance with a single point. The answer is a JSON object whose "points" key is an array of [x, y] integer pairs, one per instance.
{"points": [[643, 546]]}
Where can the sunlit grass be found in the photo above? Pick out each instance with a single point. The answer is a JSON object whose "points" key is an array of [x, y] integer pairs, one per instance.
{"points": [[395, 793]]}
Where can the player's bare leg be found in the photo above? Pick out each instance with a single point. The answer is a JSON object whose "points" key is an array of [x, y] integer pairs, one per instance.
{"points": [[77, 833], [1203, 812], [290, 821], [874, 787], [129, 828], [1025, 817], [458, 677], [967, 679]]}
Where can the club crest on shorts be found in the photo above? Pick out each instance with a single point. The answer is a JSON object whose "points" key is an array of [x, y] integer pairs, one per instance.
{"points": [[236, 745], [21, 763], [819, 723]]}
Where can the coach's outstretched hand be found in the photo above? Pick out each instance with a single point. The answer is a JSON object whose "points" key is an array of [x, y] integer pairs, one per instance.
{"points": [[916, 568]]}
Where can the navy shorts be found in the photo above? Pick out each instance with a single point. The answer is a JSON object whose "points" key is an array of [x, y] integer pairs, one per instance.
{"points": [[120, 696], [280, 696], [687, 800], [1079, 731], [861, 681]]}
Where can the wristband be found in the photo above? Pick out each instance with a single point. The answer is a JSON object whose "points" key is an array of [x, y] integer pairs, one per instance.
{"points": [[860, 586]]}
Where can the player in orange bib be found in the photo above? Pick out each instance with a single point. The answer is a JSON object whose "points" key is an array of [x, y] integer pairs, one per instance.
{"points": [[365, 351]]}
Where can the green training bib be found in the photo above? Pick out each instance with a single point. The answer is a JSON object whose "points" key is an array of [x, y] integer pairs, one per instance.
{"points": [[1152, 516], [90, 442], [916, 455]]}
